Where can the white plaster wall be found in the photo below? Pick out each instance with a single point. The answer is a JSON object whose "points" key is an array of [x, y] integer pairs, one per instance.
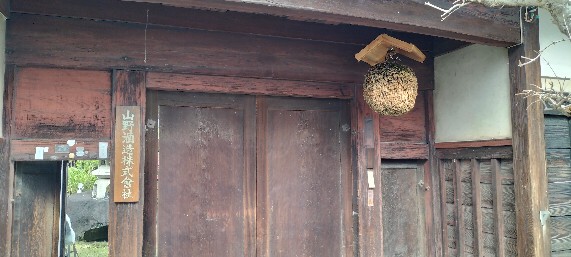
{"points": [[558, 55], [472, 95], [2, 69]]}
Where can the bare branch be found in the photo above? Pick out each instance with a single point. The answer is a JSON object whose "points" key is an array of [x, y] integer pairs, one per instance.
{"points": [[530, 60]]}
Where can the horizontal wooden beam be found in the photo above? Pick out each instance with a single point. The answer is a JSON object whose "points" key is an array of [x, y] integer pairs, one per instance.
{"points": [[69, 43], [253, 86], [474, 23], [502, 152], [401, 151], [248, 23], [25, 150], [472, 144]]}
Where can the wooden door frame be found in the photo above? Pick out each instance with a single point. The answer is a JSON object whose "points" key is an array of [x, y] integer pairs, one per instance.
{"points": [[158, 82]]}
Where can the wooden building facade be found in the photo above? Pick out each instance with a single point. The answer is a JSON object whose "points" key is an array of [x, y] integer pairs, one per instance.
{"points": [[266, 143]]}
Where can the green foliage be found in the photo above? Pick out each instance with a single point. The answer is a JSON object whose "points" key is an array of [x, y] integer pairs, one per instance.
{"points": [[80, 172], [92, 249]]}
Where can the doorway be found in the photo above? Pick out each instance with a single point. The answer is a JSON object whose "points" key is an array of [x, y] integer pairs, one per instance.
{"points": [[240, 175]]}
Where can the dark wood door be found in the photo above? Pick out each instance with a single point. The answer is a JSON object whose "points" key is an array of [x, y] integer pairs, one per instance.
{"points": [[205, 179], [403, 210], [304, 178], [252, 176]]}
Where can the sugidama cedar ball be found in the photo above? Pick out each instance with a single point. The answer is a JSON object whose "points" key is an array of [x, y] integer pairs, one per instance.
{"points": [[390, 88]]}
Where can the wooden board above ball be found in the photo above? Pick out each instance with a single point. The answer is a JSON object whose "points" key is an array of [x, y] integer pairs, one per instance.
{"points": [[376, 51]]}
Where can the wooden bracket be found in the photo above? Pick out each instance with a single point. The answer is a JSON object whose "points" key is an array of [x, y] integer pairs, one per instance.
{"points": [[376, 51]]}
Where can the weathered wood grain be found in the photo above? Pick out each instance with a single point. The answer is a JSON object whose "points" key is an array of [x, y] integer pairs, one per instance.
{"points": [[475, 153], [528, 147], [230, 21], [183, 50], [487, 220], [559, 198], [558, 165], [557, 132], [6, 171], [126, 219], [561, 233], [402, 151], [24, 150], [252, 86], [459, 213], [477, 219], [473, 144], [498, 203], [36, 209], [410, 127], [412, 17], [59, 103]]}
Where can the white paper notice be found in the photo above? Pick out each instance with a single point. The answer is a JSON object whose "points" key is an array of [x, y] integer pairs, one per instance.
{"points": [[103, 150], [39, 153], [371, 178]]}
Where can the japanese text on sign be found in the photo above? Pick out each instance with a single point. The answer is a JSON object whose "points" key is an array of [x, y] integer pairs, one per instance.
{"points": [[127, 150]]}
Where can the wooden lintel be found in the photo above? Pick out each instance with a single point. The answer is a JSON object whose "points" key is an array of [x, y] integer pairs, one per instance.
{"points": [[475, 24], [529, 165], [400, 151], [25, 150], [473, 144]]}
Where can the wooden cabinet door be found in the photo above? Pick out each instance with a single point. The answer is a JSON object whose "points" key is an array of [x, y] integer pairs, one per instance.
{"points": [[304, 178], [402, 197], [206, 175]]}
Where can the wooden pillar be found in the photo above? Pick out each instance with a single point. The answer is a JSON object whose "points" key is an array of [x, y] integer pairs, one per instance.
{"points": [[6, 172], [528, 147], [126, 219], [370, 238]]}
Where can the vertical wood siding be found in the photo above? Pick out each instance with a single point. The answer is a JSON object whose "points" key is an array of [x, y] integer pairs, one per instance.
{"points": [[558, 155], [478, 204]]}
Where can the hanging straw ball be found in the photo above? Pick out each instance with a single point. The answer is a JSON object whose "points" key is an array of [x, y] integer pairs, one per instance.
{"points": [[390, 88]]}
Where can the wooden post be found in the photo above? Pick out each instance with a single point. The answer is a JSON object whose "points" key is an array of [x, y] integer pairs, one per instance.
{"points": [[126, 219], [6, 172], [528, 147], [369, 239]]}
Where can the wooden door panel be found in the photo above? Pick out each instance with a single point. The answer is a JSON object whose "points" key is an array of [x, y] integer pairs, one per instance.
{"points": [[303, 178], [402, 210], [204, 200]]}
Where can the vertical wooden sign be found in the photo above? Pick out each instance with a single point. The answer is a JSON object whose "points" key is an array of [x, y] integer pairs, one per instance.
{"points": [[127, 154]]}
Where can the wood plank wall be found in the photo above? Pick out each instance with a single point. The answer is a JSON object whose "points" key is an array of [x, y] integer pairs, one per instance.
{"points": [[477, 202], [558, 155], [78, 55]]}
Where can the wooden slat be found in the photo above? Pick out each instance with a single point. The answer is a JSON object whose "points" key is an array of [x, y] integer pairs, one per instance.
{"points": [[151, 175], [434, 226], [475, 153], [528, 147], [498, 208], [252, 86], [476, 207], [459, 212], [561, 233], [370, 222], [557, 132], [443, 210], [126, 219], [473, 144], [558, 165], [6, 169], [487, 221], [399, 150], [559, 198], [467, 24], [410, 127], [24, 150]]}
